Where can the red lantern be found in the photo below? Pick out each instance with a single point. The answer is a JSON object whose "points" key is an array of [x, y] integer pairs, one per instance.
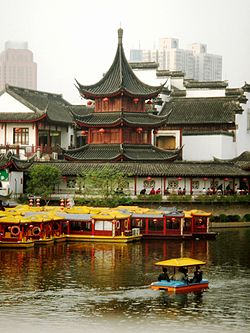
{"points": [[89, 103], [84, 133], [244, 179], [149, 178], [101, 130], [139, 130], [226, 179], [179, 178], [205, 178], [105, 99], [136, 100]]}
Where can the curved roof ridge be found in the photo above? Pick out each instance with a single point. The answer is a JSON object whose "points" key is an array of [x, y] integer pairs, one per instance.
{"points": [[119, 78]]}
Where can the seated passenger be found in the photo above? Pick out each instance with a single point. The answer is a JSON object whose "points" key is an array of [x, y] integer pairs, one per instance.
{"points": [[152, 191], [197, 275], [164, 275], [158, 191], [143, 191], [180, 275]]}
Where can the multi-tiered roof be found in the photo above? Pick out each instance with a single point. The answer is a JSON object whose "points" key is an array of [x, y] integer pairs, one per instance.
{"points": [[120, 126]]}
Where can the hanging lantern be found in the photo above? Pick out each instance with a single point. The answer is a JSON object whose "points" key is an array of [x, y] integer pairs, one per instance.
{"points": [[149, 178], [89, 103], [155, 220], [84, 133], [179, 178], [173, 219], [139, 130], [64, 178], [105, 99], [101, 130], [205, 179], [136, 100], [244, 179], [225, 179]]}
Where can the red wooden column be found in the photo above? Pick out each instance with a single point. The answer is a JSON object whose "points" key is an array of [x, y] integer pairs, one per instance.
{"points": [[146, 226], [129, 223], [164, 225]]}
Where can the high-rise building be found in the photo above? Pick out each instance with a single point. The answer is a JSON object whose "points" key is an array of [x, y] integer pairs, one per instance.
{"points": [[17, 67], [195, 62]]}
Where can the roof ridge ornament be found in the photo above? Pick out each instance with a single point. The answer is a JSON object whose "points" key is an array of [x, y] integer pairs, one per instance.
{"points": [[120, 34]]}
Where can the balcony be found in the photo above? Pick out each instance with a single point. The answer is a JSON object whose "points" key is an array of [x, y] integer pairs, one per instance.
{"points": [[25, 152]]}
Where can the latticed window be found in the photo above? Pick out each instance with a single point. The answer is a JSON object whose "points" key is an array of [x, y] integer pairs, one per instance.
{"points": [[21, 136]]}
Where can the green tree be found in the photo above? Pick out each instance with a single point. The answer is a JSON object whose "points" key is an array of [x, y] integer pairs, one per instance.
{"points": [[105, 182], [42, 180]]}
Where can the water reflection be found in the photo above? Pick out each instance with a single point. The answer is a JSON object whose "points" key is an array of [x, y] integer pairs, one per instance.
{"points": [[105, 287]]}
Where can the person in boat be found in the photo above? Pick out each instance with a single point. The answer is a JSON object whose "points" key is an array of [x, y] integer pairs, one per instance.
{"points": [[197, 275], [143, 191], [180, 275], [164, 275]]}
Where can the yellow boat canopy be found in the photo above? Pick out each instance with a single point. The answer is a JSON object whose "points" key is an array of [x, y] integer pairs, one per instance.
{"points": [[180, 262]]}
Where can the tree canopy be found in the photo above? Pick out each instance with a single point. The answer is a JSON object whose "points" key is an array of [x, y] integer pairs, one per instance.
{"points": [[105, 182], [42, 180]]}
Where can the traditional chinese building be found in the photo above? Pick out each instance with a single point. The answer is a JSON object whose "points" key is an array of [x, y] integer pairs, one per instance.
{"points": [[120, 127]]}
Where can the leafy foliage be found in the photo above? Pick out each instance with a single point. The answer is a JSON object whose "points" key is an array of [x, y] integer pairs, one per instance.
{"points": [[42, 180], [106, 183]]}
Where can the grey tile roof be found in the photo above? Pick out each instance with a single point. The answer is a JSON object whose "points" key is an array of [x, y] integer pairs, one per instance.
{"points": [[119, 78], [205, 84], [171, 169], [209, 110], [43, 104], [129, 118], [36, 98], [111, 152], [8, 159], [21, 117], [243, 160]]}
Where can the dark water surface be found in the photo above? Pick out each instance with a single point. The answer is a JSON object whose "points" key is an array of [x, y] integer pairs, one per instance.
{"points": [[84, 287]]}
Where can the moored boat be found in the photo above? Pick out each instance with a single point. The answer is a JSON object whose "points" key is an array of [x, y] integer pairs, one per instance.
{"points": [[184, 285]]}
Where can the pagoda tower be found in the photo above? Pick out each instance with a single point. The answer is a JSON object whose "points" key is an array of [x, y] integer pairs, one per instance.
{"points": [[119, 127]]}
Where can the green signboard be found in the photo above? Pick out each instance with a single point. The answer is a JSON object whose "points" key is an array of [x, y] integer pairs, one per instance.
{"points": [[4, 175]]}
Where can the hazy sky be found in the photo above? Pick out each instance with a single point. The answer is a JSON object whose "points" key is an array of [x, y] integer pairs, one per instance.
{"points": [[78, 39]]}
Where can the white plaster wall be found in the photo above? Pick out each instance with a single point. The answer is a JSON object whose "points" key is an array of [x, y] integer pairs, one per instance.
{"points": [[16, 182], [10, 104], [9, 133], [243, 133], [159, 183], [205, 147], [205, 93], [2, 131], [65, 138]]}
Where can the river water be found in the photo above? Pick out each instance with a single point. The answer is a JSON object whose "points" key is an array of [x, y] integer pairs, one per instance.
{"points": [[87, 287]]}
